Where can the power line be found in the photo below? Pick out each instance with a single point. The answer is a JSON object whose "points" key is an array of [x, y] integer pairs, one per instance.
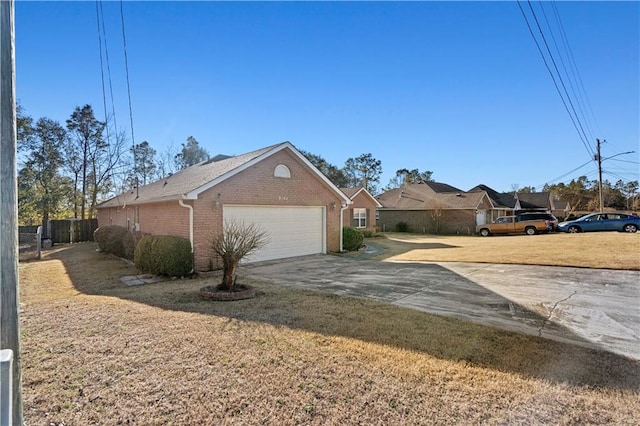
{"points": [[586, 145], [101, 25], [544, 39], [564, 68], [573, 65], [104, 94], [564, 175], [126, 65]]}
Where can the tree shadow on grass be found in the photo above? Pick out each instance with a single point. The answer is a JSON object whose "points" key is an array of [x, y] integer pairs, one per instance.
{"points": [[342, 310]]}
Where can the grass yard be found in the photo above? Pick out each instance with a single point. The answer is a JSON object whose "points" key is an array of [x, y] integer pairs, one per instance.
{"points": [[609, 250], [95, 351]]}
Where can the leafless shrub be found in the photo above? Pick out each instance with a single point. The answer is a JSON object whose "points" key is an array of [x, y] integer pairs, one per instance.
{"points": [[237, 240]]}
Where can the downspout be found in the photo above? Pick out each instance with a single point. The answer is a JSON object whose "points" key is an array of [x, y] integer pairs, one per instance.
{"points": [[344, 206], [182, 204]]}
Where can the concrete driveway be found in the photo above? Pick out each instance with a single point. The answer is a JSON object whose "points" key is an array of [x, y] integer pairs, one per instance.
{"points": [[588, 307]]}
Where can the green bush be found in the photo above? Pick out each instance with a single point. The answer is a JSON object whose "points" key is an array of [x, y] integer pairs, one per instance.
{"points": [[100, 237], [164, 255], [402, 227], [116, 240], [352, 238]]}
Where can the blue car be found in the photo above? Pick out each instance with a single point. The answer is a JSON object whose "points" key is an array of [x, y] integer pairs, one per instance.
{"points": [[601, 222]]}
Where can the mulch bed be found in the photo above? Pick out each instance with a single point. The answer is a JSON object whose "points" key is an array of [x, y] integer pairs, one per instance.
{"points": [[219, 293]]}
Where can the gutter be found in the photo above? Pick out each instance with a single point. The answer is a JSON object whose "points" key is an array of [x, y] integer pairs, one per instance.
{"points": [[182, 204], [343, 207]]}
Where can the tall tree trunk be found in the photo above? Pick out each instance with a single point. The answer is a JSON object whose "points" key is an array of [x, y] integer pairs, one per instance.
{"points": [[84, 179], [75, 195]]}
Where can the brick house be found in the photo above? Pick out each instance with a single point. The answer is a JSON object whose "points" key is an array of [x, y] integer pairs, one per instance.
{"points": [[433, 207], [361, 213], [510, 203], [275, 187]]}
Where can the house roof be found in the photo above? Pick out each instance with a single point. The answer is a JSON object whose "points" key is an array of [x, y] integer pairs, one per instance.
{"points": [[498, 199], [353, 192], [188, 183], [534, 200], [422, 197], [440, 187]]}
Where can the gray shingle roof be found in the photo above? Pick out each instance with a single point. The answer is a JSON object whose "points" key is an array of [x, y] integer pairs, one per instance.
{"points": [[539, 200], [422, 197], [189, 180]]}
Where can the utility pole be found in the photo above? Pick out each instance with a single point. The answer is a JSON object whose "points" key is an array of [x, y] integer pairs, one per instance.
{"points": [[9, 325], [599, 159]]}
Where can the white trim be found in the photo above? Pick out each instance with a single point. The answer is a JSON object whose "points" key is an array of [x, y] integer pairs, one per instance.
{"points": [[182, 204], [193, 195], [342, 209], [369, 194], [323, 212], [353, 217], [282, 171]]}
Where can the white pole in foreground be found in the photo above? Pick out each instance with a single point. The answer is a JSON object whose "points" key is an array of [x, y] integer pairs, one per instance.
{"points": [[9, 325], [6, 376]]}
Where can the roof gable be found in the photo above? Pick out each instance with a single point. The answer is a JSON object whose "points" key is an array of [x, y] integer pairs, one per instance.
{"points": [[192, 181], [538, 200], [352, 193]]}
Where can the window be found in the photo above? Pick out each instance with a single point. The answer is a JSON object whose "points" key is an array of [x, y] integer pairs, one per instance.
{"points": [[360, 218], [282, 171]]}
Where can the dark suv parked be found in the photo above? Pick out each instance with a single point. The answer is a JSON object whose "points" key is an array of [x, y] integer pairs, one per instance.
{"points": [[548, 217]]}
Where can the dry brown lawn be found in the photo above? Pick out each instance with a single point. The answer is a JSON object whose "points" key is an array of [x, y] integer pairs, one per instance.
{"points": [[610, 250], [95, 351]]}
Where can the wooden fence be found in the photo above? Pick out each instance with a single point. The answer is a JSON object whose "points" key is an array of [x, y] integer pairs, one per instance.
{"points": [[72, 230]]}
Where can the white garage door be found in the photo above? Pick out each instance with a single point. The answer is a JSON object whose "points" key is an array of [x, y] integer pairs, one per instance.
{"points": [[293, 231]]}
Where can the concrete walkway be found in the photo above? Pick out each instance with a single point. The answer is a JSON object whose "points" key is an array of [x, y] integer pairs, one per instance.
{"points": [[588, 307]]}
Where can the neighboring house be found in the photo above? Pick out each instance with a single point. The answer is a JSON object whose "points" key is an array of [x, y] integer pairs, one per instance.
{"points": [[433, 207], [361, 213], [504, 203], [275, 187], [510, 203], [560, 208]]}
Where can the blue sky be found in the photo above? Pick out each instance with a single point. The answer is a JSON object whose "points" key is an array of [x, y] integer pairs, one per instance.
{"points": [[458, 88]]}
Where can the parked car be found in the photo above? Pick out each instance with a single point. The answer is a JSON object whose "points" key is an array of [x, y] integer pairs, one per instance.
{"points": [[551, 219], [602, 222], [512, 225]]}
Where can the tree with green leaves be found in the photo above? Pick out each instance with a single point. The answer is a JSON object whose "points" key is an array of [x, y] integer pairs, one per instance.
{"points": [[87, 137], [406, 177], [144, 165], [42, 188], [24, 127], [191, 153], [334, 174], [364, 171]]}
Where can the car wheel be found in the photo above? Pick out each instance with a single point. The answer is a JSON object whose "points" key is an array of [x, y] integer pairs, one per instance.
{"points": [[630, 228], [484, 232], [574, 229], [530, 230]]}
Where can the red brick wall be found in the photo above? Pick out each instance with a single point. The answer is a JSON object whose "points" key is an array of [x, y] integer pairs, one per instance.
{"points": [[430, 221], [255, 185], [362, 200], [167, 218]]}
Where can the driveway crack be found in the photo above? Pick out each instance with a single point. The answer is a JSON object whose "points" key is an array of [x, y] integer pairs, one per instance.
{"points": [[551, 312]]}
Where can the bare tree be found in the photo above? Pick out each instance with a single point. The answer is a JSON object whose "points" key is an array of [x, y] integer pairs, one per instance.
{"points": [[237, 240]]}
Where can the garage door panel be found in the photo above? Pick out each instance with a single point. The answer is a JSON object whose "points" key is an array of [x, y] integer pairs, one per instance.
{"points": [[292, 231]]}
